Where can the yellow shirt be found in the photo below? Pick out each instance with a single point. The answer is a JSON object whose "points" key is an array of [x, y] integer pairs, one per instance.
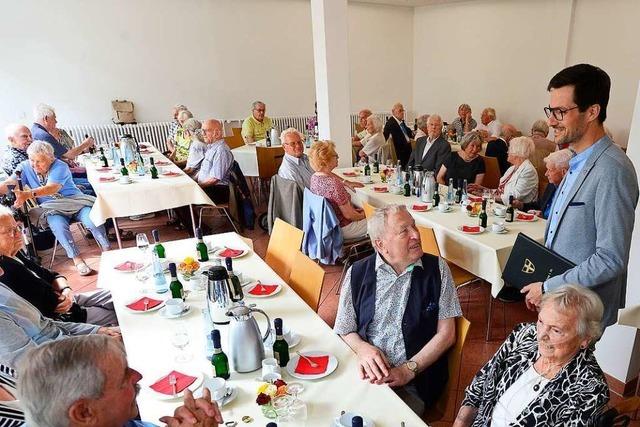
{"points": [[253, 128], [182, 146]]}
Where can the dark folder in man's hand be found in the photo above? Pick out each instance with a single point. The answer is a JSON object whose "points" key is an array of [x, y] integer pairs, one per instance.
{"points": [[531, 262]]}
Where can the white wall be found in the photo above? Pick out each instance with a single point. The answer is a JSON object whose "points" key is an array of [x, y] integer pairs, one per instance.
{"points": [[502, 53], [215, 56]]}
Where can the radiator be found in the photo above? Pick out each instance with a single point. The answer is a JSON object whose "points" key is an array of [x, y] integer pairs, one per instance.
{"points": [[156, 133]]}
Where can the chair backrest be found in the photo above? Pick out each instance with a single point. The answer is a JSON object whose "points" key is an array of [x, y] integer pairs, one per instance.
{"points": [[269, 160], [454, 358], [306, 279], [389, 151], [234, 141], [368, 209], [237, 132], [491, 172], [428, 241], [285, 202], [284, 242]]}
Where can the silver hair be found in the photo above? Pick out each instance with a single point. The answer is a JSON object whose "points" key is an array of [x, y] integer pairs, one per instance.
{"points": [[585, 303], [55, 375], [11, 129], [180, 107], [522, 146], [289, 131], [5, 211], [491, 112], [377, 224], [465, 106], [540, 126], [434, 117], [376, 121], [186, 113], [41, 111], [191, 124], [559, 159], [422, 121], [256, 103], [40, 147], [470, 137]]}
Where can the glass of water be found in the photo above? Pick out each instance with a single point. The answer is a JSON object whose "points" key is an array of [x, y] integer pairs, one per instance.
{"points": [[180, 340]]}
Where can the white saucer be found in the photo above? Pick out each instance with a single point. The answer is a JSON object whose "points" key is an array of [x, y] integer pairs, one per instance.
{"points": [[447, 211], [504, 231], [293, 362], [163, 312], [345, 420]]}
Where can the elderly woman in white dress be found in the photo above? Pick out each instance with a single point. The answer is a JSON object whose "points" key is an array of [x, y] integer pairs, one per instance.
{"points": [[521, 179], [373, 141]]}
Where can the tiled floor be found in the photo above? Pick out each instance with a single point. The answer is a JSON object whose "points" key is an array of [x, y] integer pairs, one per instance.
{"points": [[474, 300]]}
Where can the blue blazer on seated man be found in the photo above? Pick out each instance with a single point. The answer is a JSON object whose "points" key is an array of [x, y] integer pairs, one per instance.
{"points": [[397, 311]]}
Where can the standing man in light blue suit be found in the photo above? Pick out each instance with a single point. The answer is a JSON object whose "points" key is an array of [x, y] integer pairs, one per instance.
{"points": [[591, 218]]}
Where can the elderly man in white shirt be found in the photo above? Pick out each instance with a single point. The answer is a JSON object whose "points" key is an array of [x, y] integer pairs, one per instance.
{"points": [[374, 140], [489, 125], [295, 164]]}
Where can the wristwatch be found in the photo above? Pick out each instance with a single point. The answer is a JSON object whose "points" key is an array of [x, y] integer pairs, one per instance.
{"points": [[412, 366]]}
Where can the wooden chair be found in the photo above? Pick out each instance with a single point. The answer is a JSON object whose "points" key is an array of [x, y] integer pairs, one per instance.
{"points": [[306, 279], [491, 172], [237, 132], [234, 141], [454, 358], [284, 243], [269, 161], [368, 209], [389, 151]]}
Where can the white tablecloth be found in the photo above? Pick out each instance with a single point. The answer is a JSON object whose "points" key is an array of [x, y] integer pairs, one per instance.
{"points": [[484, 255], [247, 158], [149, 350], [143, 195]]}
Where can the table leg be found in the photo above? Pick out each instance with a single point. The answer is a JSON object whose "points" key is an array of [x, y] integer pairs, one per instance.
{"points": [[193, 219], [115, 225]]}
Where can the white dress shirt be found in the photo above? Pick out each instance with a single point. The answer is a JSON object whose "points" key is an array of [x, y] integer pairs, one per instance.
{"points": [[493, 128]]}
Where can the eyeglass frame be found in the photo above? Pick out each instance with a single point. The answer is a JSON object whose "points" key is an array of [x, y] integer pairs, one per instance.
{"points": [[18, 228], [548, 111]]}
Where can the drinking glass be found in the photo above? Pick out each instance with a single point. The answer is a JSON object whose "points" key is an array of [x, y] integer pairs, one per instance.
{"points": [[180, 340], [142, 242], [492, 197], [142, 274]]}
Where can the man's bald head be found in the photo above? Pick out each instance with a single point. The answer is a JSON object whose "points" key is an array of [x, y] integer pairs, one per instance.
{"points": [[18, 136], [212, 130], [508, 132]]}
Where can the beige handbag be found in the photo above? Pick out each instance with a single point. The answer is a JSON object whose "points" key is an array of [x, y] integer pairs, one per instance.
{"points": [[122, 112]]}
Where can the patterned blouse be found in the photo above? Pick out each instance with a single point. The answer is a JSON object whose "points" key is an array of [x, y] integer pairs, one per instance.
{"points": [[573, 398], [11, 158], [10, 413], [331, 188]]}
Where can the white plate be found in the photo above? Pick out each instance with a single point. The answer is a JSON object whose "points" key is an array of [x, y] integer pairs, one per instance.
{"points": [[345, 420], [163, 312], [129, 271], [294, 341], [447, 211], [251, 285], [504, 231], [156, 308], [216, 253], [193, 387], [293, 362], [471, 232]]}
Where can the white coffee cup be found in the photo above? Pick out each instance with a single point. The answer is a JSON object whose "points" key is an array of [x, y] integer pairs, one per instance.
{"points": [[271, 377], [443, 206], [270, 366], [217, 386], [174, 306], [499, 210], [125, 179], [497, 227]]}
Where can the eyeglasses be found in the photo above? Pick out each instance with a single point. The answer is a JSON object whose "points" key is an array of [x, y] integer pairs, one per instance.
{"points": [[558, 113], [16, 229]]}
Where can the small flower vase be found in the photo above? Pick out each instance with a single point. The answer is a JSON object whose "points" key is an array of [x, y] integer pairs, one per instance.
{"points": [[268, 411]]}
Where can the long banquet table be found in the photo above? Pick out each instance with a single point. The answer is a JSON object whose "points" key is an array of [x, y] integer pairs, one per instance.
{"points": [[484, 255], [143, 195], [149, 350]]}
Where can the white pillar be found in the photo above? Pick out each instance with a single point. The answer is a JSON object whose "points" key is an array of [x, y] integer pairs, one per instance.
{"points": [[331, 64], [618, 352]]}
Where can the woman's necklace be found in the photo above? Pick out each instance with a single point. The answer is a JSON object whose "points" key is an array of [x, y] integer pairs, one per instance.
{"points": [[543, 376]]}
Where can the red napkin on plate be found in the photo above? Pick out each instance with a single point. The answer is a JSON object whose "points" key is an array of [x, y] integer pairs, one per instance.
{"points": [[524, 216], [349, 174], [228, 252], [107, 179], [162, 163], [380, 189], [103, 169], [163, 386], [128, 266], [420, 207], [170, 173], [139, 304], [470, 228], [303, 366], [261, 289]]}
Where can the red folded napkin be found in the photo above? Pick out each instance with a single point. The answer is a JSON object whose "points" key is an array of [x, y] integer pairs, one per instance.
{"points": [[128, 266], [106, 179], [170, 173], [470, 228], [303, 366], [228, 252], [349, 174], [261, 289], [145, 151], [474, 198], [143, 146], [380, 189], [103, 169], [420, 207], [139, 304], [163, 386], [527, 217], [162, 163]]}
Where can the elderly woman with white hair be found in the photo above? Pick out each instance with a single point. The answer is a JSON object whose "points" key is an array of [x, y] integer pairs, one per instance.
{"points": [[197, 149], [557, 166], [521, 179], [49, 181], [373, 141], [545, 373]]}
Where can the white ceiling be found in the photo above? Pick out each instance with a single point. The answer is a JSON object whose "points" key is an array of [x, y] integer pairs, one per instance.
{"points": [[408, 3]]}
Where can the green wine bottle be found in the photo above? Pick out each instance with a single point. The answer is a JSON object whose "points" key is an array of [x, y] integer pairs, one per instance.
{"points": [[280, 345], [123, 169], [103, 158], [219, 360], [376, 164], [177, 291], [510, 211], [237, 294], [483, 214], [367, 169], [436, 197], [158, 248], [407, 186], [201, 247], [153, 169]]}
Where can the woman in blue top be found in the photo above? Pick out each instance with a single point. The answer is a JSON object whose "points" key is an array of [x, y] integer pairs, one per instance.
{"points": [[49, 181]]}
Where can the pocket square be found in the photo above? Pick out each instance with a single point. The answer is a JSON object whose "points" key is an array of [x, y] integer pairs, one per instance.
{"points": [[576, 204]]}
